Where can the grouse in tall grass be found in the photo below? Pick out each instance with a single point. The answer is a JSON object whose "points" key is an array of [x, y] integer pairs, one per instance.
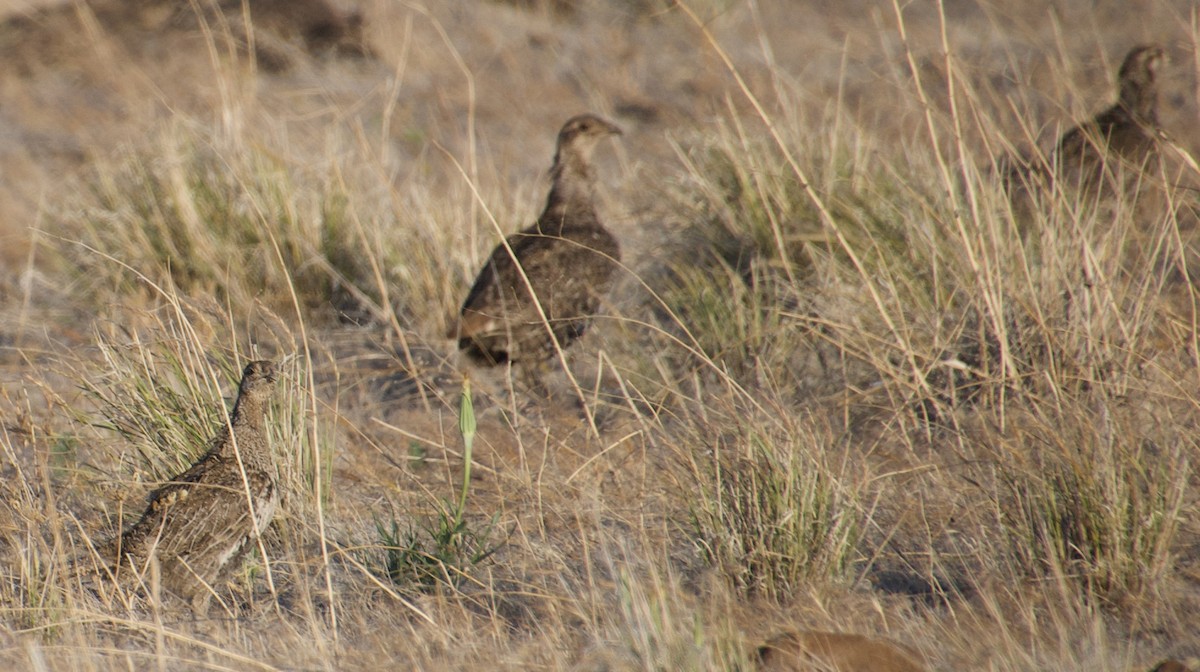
{"points": [[559, 267], [201, 524], [1122, 140]]}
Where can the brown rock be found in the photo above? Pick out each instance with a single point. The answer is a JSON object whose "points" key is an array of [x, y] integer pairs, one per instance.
{"points": [[813, 651], [1171, 666]]}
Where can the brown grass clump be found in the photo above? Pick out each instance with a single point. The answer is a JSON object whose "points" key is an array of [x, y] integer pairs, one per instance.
{"points": [[275, 33]]}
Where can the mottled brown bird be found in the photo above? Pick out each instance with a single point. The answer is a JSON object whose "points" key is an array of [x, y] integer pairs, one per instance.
{"points": [[201, 524], [568, 257], [1125, 137]]}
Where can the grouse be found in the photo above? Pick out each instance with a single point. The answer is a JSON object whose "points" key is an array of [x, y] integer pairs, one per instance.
{"points": [[568, 258], [1123, 137], [201, 523]]}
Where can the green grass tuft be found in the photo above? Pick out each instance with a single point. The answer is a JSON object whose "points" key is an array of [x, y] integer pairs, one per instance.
{"points": [[769, 515]]}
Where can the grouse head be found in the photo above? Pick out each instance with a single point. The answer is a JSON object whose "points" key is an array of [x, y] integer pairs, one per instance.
{"points": [[1139, 93], [258, 377], [580, 135]]}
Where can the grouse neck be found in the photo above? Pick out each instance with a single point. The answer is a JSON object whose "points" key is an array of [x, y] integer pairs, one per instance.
{"points": [[571, 192], [1140, 100], [248, 411]]}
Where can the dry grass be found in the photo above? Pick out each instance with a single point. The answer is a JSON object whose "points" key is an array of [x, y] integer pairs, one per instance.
{"points": [[844, 384]]}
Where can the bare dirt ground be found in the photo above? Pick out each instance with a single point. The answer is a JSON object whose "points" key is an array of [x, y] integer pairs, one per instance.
{"points": [[180, 191]]}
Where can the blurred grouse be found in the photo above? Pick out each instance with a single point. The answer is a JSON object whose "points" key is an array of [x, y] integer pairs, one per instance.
{"points": [[201, 524], [568, 257], [1123, 137]]}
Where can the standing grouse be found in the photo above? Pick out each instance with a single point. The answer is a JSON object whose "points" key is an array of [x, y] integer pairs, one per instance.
{"points": [[1125, 137], [568, 258], [202, 523]]}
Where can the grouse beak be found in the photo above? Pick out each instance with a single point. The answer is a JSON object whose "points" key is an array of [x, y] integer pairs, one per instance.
{"points": [[613, 129], [272, 374]]}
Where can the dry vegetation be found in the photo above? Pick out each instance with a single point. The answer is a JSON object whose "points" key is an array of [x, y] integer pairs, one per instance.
{"points": [[842, 384]]}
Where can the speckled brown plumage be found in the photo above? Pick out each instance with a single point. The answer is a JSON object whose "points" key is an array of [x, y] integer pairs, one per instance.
{"points": [[567, 255], [1125, 137], [201, 523]]}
